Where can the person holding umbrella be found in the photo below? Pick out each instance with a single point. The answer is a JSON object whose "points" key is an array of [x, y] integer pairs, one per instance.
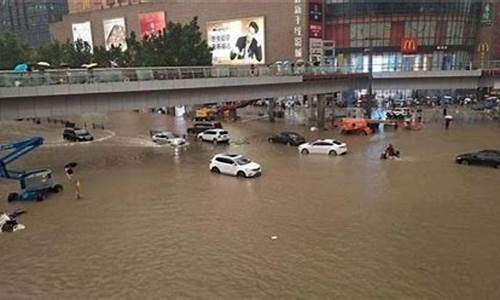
{"points": [[70, 174]]}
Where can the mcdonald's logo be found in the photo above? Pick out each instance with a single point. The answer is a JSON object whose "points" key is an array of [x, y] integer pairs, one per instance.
{"points": [[408, 46], [483, 47]]}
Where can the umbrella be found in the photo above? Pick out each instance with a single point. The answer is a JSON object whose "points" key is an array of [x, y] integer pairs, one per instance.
{"points": [[70, 165], [43, 64], [21, 68], [89, 66]]}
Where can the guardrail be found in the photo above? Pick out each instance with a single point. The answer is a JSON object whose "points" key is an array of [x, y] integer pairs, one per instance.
{"points": [[108, 75]]}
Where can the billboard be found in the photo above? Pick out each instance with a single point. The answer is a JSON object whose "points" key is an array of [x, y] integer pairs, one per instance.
{"points": [[152, 23], [115, 33], [237, 42], [82, 31]]}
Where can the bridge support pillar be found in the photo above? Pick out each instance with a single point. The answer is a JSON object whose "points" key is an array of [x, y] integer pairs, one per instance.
{"points": [[321, 102], [311, 114], [270, 109]]}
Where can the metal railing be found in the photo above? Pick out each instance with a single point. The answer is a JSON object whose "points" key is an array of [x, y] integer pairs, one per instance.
{"points": [[109, 75]]}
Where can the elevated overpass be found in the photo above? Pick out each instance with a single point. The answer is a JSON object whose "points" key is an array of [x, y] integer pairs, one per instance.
{"points": [[77, 91]]}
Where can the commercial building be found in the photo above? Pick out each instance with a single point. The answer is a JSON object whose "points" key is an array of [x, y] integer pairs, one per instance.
{"points": [[398, 35], [76, 6], [411, 35], [30, 19]]}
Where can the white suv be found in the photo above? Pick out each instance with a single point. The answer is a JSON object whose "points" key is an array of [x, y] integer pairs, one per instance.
{"points": [[214, 135], [326, 146], [234, 164]]}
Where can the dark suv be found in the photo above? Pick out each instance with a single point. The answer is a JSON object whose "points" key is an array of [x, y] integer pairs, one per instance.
{"points": [[77, 135], [287, 138], [202, 126]]}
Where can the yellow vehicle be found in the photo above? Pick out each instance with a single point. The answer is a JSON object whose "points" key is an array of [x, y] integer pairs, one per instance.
{"points": [[205, 114]]}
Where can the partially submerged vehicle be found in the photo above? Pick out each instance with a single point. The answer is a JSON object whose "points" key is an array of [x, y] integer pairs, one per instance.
{"points": [[354, 126]]}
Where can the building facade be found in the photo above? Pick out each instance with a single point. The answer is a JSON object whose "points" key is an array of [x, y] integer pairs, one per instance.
{"points": [[410, 35], [396, 35], [30, 19], [77, 6]]}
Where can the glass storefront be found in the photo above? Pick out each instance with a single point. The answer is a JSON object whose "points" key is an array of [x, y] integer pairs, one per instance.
{"points": [[443, 30], [397, 62]]}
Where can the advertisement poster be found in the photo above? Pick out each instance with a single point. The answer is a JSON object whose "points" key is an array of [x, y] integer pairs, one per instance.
{"points": [[237, 42], [83, 31], [115, 33], [152, 23]]}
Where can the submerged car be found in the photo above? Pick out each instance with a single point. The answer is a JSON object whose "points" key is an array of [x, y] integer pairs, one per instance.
{"points": [[325, 146], [167, 137], [234, 164], [77, 135], [287, 138], [199, 127], [486, 158]]}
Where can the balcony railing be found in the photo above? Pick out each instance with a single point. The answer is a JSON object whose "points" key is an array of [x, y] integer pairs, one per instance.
{"points": [[108, 75]]}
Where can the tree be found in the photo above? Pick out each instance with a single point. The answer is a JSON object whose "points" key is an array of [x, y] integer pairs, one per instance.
{"points": [[13, 51], [78, 53], [178, 45], [53, 53]]}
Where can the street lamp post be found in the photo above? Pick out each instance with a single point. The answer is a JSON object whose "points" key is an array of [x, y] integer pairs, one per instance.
{"points": [[370, 77]]}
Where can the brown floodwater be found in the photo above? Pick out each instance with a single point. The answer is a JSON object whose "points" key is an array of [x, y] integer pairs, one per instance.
{"points": [[154, 223]]}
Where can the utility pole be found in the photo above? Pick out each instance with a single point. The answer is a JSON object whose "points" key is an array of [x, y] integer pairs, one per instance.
{"points": [[370, 77]]}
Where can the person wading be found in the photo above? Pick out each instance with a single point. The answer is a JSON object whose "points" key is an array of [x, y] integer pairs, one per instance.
{"points": [[70, 174]]}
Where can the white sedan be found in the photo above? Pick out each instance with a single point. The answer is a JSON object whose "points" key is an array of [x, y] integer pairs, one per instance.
{"points": [[326, 146], [234, 164], [167, 137]]}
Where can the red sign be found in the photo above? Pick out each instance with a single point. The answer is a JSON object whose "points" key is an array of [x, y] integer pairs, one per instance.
{"points": [[316, 19], [152, 23], [409, 46]]}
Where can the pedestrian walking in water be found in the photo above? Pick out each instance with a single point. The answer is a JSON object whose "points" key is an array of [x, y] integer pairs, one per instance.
{"points": [[70, 174], [447, 121]]}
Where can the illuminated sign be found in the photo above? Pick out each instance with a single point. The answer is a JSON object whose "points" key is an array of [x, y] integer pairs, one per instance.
{"points": [[315, 19], [408, 46], [83, 32], [483, 47], [115, 33], [152, 23], [237, 42], [297, 29]]}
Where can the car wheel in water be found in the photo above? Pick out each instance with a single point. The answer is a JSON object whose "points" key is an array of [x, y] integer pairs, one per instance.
{"points": [[12, 197], [57, 188], [464, 162], [215, 170], [40, 197], [332, 152], [304, 151], [241, 174]]}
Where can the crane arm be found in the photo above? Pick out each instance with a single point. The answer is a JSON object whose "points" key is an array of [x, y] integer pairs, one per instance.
{"points": [[14, 152]]}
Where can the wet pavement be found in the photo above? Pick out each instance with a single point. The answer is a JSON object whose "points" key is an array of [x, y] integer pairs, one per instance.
{"points": [[154, 223]]}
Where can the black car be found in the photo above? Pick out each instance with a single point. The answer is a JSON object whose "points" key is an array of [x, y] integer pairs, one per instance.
{"points": [[77, 135], [485, 157], [287, 138], [202, 126]]}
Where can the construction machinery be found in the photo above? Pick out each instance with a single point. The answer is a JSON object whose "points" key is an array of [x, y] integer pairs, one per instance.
{"points": [[36, 184]]}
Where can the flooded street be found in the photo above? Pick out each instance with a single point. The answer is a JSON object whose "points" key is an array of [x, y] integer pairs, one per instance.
{"points": [[154, 223]]}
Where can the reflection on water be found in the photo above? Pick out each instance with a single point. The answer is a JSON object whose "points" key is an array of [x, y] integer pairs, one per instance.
{"points": [[154, 223]]}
